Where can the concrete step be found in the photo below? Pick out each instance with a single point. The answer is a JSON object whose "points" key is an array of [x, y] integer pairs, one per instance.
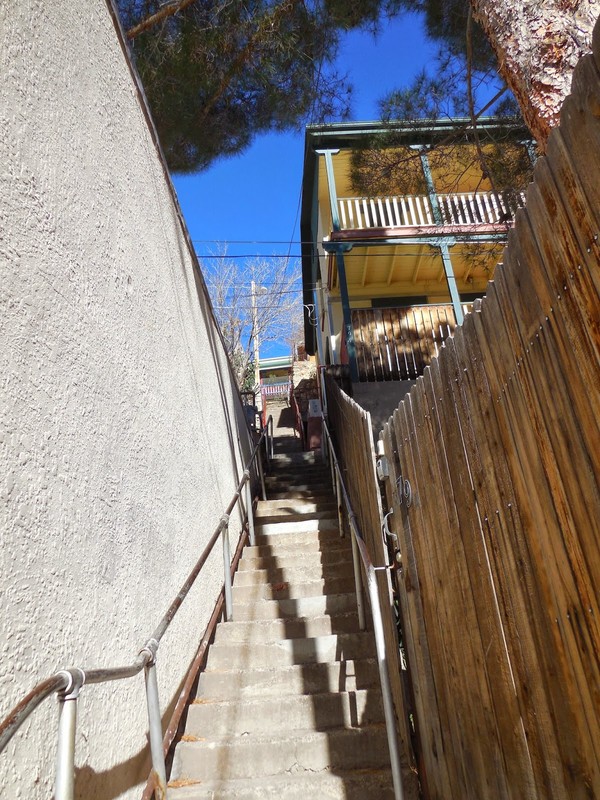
{"points": [[294, 509], [307, 493], [293, 557], [258, 756], [326, 785], [285, 459], [297, 628], [300, 607], [293, 506], [243, 684], [275, 486], [304, 526], [288, 516], [294, 474], [286, 589], [268, 715], [278, 542], [287, 652], [306, 571]]}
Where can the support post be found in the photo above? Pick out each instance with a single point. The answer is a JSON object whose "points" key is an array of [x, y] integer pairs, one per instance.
{"points": [[338, 496], [339, 257], [250, 512], [227, 570], [358, 586], [262, 476], [255, 334], [451, 281], [341, 267], [64, 781], [386, 688], [155, 731]]}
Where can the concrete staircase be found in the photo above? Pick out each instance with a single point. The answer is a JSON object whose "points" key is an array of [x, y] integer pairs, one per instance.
{"points": [[289, 705]]}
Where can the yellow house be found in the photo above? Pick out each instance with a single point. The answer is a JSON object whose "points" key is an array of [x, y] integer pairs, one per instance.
{"points": [[402, 226]]}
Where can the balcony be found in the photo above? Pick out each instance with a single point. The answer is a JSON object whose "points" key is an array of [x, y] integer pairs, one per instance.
{"points": [[395, 344], [465, 211]]}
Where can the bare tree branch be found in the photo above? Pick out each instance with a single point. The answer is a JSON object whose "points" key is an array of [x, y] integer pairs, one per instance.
{"points": [[277, 298]]}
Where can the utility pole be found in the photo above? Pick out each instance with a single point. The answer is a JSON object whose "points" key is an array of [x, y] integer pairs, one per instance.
{"points": [[255, 334]]}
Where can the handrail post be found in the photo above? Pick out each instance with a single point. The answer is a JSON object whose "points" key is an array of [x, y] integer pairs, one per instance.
{"points": [[262, 477], [267, 446], [227, 568], [386, 687], [159, 771], [358, 587], [338, 495], [250, 513], [64, 782], [270, 439]]}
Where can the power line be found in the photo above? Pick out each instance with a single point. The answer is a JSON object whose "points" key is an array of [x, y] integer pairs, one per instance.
{"points": [[350, 254]]}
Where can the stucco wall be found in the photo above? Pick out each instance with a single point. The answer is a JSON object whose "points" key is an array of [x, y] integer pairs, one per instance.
{"points": [[120, 430]]}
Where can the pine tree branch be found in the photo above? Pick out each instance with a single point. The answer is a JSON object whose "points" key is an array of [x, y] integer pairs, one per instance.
{"points": [[168, 10], [245, 53]]}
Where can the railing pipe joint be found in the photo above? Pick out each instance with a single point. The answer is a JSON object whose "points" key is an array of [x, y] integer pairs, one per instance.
{"points": [[150, 650], [75, 678]]}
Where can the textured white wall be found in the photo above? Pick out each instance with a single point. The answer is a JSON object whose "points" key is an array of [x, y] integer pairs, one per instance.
{"points": [[120, 430]]}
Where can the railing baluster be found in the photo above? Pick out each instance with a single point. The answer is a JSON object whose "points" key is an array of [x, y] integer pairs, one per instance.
{"points": [[389, 214], [342, 207], [365, 212], [405, 214]]}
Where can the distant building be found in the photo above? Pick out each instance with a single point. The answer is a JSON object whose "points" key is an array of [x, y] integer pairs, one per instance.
{"points": [[389, 272]]}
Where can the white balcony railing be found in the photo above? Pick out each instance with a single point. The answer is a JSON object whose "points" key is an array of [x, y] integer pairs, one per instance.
{"points": [[481, 208], [276, 389]]}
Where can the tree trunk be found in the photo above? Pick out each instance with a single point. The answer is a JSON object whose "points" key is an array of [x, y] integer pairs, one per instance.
{"points": [[538, 45]]}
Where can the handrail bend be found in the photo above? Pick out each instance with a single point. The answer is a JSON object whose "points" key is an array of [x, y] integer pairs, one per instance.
{"points": [[67, 683], [358, 544]]}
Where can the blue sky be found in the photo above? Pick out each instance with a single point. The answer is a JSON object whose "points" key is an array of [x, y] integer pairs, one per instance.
{"points": [[251, 201]]}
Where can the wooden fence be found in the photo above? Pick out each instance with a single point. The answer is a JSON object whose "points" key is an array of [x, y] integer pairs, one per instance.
{"points": [[494, 460], [352, 433]]}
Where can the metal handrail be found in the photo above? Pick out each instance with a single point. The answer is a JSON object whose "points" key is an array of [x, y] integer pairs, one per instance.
{"points": [[69, 682], [359, 548]]}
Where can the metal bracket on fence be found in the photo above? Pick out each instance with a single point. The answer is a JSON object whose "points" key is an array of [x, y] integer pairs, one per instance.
{"points": [[390, 535], [404, 491]]}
